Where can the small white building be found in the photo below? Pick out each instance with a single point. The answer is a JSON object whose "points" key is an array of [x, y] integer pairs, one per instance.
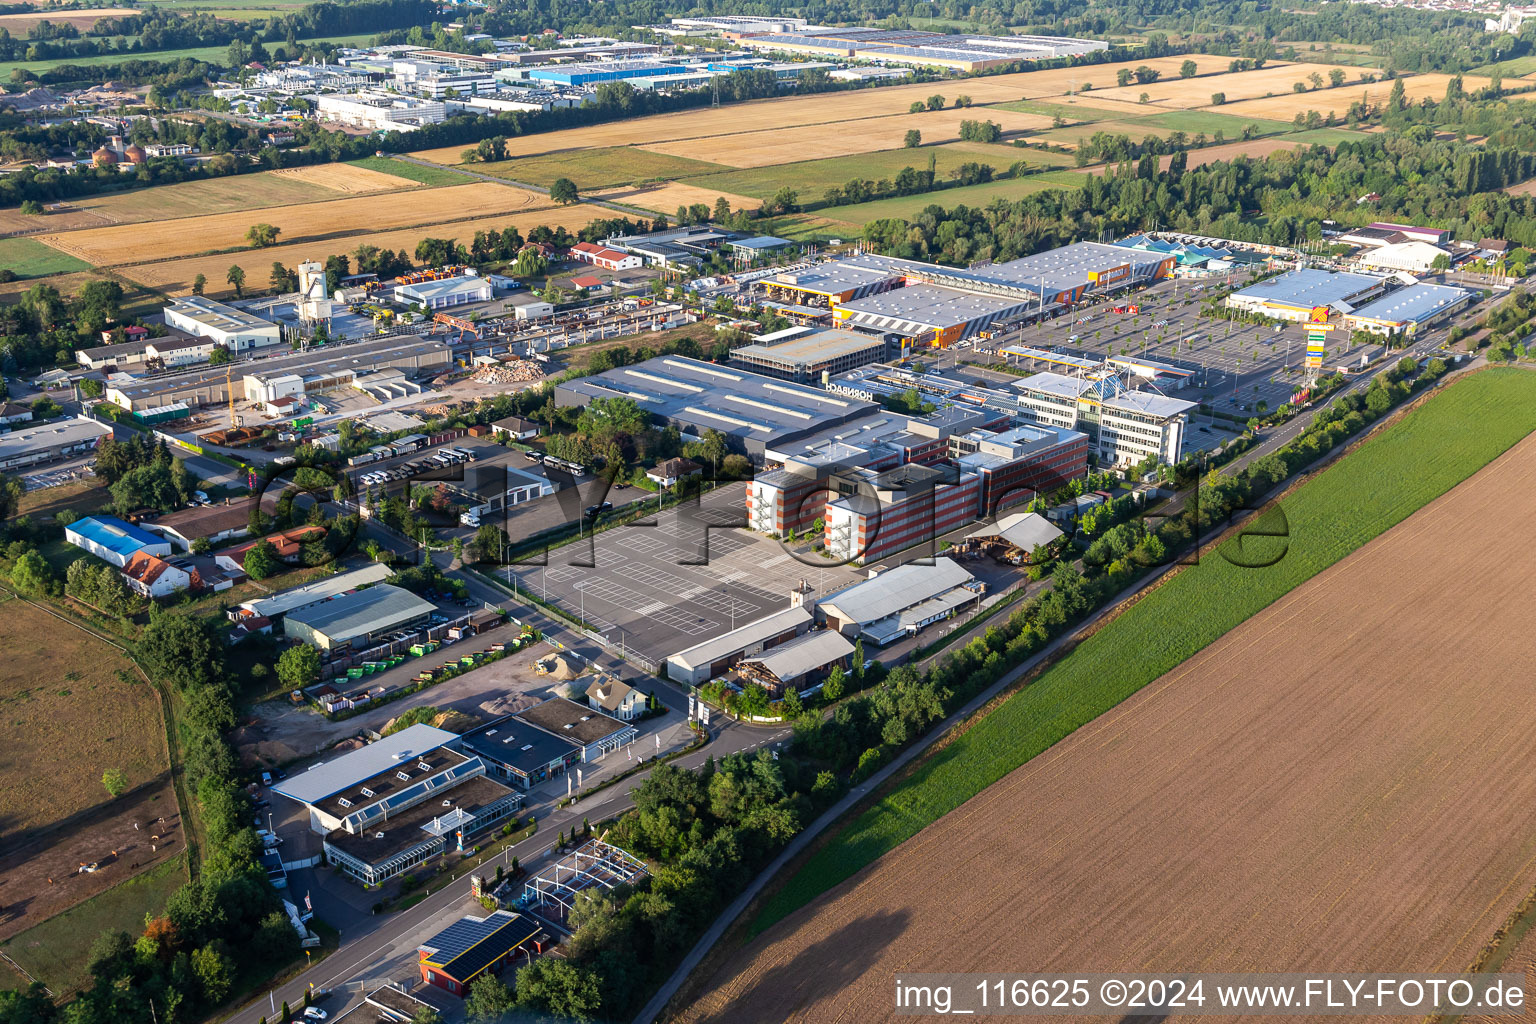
{"points": [[444, 293], [113, 540], [177, 350], [233, 328], [151, 576], [1413, 257], [533, 310]]}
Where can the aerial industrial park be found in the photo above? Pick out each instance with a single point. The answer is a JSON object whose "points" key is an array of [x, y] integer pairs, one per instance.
{"points": [[667, 514]]}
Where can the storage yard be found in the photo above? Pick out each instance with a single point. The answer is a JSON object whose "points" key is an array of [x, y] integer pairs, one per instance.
{"points": [[1339, 812]]}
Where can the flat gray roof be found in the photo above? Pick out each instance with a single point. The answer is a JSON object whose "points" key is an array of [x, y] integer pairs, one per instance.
{"points": [[355, 356], [811, 348], [755, 409], [844, 275], [285, 601], [365, 612], [217, 315], [896, 590], [1148, 403], [925, 307], [57, 433], [577, 722], [1413, 304], [742, 637], [1309, 287], [328, 778]]}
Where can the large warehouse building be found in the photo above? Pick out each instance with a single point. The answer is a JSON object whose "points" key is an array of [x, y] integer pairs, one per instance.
{"points": [[918, 48], [305, 372], [808, 356], [752, 410], [235, 329], [46, 442], [934, 305], [1296, 295], [901, 601], [398, 802], [355, 618], [1408, 310]]}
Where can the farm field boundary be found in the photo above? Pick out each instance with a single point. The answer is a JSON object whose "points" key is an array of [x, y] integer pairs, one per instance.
{"points": [[1408, 464]]}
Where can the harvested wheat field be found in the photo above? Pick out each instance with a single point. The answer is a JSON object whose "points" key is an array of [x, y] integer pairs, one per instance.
{"points": [[1186, 93], [346, 178], [1342, 782], [176, 275], [847, 138], [1284, 107], [18, 25], [823, 108], [668, 197], [114, 246]]}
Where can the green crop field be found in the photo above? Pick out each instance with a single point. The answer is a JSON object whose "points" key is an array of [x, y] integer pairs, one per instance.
{"points": [[234, 10], [28, 258], [597, 168], [57, 951], [811, 178], [1193, 122], [213, 54], [908, 207], [1407, 465], [412, 172]]}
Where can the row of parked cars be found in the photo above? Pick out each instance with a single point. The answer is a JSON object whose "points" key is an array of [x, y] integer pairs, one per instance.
{"points": [[437, 460]]}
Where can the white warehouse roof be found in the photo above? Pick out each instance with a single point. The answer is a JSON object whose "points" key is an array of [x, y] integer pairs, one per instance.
{"points": [[896, 590]]}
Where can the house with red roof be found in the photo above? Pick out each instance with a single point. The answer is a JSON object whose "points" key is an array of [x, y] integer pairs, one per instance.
{"points": [[602, 256]]}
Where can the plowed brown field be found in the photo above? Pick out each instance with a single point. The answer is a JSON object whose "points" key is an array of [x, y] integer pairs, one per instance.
{"points": [[1343, 782]]}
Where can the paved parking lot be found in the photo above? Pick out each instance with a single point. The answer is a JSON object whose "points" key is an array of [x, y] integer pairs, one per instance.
{"points": [[675, 579], [1236, 366]]}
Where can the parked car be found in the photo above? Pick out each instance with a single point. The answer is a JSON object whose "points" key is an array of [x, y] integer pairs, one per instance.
{"points": [[314, 1013]]}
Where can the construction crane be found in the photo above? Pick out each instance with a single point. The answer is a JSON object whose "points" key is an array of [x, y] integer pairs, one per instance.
{"points": [[229, 389]]}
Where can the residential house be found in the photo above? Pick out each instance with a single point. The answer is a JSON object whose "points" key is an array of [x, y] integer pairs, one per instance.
{"points": [[669, 473], [515, 428], [288, 544], [617, 698], [12, 413], [152, 576]]}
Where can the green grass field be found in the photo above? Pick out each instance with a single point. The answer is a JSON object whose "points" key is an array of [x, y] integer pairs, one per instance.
{"points": [[29, 258], [596, 168], [1516, 67], [1406, 466], [908, 207], [215, 54], [1328, 136], [56, 951], [233, 10], [811, 178], [411, 172], [1193, 122]]}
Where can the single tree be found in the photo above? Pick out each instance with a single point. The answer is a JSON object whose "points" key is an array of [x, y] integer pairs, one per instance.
{"points": [[298, 666], [262, 561], [912, 139], [262, 235], [115, 781], [236, 279], [1188, 69], [563, 190], [199, 283]]}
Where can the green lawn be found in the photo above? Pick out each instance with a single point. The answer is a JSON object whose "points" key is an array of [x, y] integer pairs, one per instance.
{"points": [[811, 178], [411, 172], [908, 207], [1406, 466], [1193, 122], [1516, 67], [56, 951], [597, 168], [215, 54], [27, 257]]}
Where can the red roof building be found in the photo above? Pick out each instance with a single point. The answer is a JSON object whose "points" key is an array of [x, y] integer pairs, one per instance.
{"points": [[602, 256]]}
